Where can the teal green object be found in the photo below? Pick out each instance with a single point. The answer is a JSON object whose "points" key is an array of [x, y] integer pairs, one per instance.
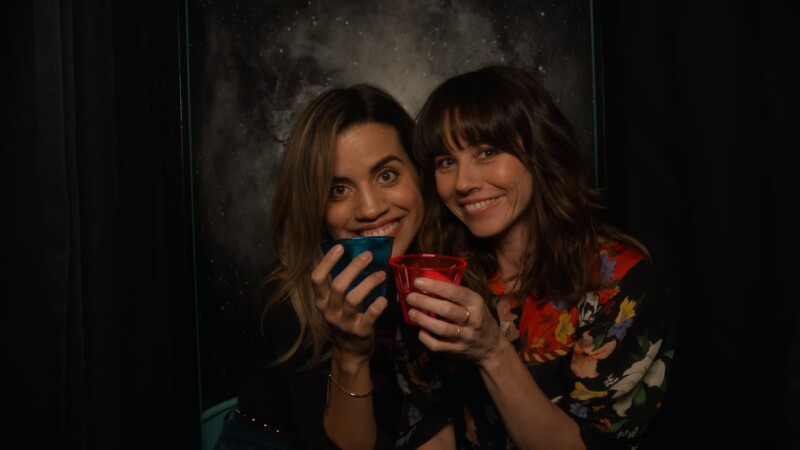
{"points": [[213, 420], [381, 248]]}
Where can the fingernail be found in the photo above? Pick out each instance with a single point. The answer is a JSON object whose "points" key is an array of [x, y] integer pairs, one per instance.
{"points": [[365, 256], [420, 282], [337, 249]]}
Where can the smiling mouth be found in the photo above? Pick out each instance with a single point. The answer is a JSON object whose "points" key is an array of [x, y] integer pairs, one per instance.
{"points": [[477, 206], [385, 230]]}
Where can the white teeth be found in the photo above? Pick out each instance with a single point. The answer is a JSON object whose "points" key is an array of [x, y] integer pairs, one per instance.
{"points": [[478, 205], [382, 231]]}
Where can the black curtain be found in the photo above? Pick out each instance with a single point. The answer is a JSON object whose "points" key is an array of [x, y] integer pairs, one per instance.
{"points": [[98, 322], [701, 119], [98, 318]]}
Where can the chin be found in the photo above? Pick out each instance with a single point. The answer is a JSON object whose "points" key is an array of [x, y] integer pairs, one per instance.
{"points": [[398, 250], [400, 246], [482, 232]]}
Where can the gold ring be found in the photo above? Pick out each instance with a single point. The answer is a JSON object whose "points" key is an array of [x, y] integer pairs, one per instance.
{"points": [[466, 318]]}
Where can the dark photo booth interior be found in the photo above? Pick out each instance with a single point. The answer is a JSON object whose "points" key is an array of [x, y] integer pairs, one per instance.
{"points": [[140, 142]]}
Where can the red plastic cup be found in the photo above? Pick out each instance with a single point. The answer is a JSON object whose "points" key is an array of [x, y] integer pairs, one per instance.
{"points": [[407, 268]]}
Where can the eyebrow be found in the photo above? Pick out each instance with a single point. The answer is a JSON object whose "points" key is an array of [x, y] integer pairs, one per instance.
{"points": [[375, 167]]}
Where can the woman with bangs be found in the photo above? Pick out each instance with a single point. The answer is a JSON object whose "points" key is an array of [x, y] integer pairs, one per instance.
{"points": [[560, 329]]}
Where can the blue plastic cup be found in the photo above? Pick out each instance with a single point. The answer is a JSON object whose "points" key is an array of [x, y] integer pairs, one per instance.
{"points": [[381, 248]]}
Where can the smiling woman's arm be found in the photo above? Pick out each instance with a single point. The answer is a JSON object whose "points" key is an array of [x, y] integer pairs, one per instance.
{"points": [[608, 391], [532, 421], [349, 418], [350, 415]]}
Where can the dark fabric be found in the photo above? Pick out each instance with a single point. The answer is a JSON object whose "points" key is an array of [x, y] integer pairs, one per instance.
{"points": [[419, 372], [97, 320], [292, 398], [284, 396], [701, 119]]}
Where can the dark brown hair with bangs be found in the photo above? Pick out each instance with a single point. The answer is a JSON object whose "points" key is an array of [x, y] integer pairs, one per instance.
{"points": [[506, 108]]}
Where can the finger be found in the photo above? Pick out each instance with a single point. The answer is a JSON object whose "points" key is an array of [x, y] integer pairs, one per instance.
{"points": [[343, 281], [376, 309], [363, 325], [320, 273], [445, 309], [319, 276], [356, 296], [467, 316], [436, 326], [340, 284], [458, 309], [370, 316], [426, 303], [438, 344], [453, 292]]}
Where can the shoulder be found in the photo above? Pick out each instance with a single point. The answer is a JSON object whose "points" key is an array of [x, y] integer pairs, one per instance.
{"points": [[632, 285], [617, 258], [633, 299], [624, 267]]}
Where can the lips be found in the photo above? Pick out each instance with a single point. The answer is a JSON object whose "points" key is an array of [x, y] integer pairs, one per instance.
{"points": [[477, 206], [384, 230]]}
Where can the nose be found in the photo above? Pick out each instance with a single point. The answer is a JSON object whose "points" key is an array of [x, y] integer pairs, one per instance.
{"points": [[467, 178], [371, 205]]}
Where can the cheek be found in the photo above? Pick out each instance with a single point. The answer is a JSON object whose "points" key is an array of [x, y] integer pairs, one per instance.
{"points": [[406, 196], [520, 179], [526, 187], [411, 203], [443, 185], [511, 171], [336, 219]]}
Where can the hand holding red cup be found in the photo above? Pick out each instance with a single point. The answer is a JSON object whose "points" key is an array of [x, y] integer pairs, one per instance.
{"points": [[407, 268]]}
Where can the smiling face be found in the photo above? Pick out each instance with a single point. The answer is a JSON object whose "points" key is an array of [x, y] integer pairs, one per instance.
{"points": [[488, 189], [375, 190]]}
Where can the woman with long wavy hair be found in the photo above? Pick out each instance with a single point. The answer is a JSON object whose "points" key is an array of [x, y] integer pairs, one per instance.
{"points": [[346, 172], [560, 329]]}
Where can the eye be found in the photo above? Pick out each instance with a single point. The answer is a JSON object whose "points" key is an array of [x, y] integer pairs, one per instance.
{"points": [[387, 176], [487, 153], [443, 162], [338, 191]]}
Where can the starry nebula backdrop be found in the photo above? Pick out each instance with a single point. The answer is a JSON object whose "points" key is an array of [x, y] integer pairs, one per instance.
{"points": [[254, 64]]}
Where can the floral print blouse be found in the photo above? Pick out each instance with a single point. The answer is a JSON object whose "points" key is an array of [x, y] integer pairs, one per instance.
{"points": [[604, 361]]}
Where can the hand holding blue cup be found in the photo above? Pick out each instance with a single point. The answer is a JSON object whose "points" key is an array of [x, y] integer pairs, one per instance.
{"points": [[381, 249]]}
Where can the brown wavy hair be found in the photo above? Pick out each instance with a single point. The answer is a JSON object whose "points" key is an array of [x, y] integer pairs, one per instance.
{"points": [[301, 193], [506, 108]]}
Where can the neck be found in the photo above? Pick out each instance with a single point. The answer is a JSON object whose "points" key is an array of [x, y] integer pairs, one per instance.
{"points": [[509, 249]]}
